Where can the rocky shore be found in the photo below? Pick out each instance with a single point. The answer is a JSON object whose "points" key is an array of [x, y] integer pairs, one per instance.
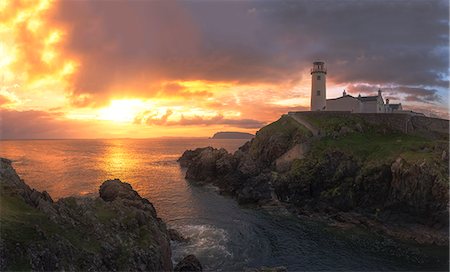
{"points": [[117, 231], [355, 174]]}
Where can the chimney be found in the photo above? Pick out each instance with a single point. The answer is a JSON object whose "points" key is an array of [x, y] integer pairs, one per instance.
{"points": [[387, 100]]}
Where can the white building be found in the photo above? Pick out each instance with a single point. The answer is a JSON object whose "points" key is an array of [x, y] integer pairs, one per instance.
{"points": [[360, 104]]}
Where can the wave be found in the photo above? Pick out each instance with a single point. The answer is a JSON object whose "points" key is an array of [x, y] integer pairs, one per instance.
{"points": [[207, 242]]}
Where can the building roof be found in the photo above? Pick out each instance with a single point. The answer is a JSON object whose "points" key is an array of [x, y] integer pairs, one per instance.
{"points": [[394, 106], [368, 98], [344, 96]]}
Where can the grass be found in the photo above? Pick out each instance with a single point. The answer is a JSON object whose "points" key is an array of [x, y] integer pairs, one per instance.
{"points": [[24, 224], [373, 146], [285, 129], [333, 123], [284, 125], [103, 212], [16, 215]]}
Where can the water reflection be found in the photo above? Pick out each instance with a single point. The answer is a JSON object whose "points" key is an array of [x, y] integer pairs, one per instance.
{"points": [[78, 167]]}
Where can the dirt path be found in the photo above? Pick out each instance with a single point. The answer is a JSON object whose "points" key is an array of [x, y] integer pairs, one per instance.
{"points": [[305, 123]]}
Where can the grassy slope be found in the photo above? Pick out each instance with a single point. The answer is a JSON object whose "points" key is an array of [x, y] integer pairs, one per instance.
{"points": [[286, 129], [375, 144]]}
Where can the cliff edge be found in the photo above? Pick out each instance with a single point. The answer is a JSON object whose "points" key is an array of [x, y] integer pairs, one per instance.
{"points": [[117, 231], [353, 173]]}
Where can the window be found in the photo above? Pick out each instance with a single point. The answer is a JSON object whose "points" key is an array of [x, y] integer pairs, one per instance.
{"points": [[318, 77], [318, 93]]}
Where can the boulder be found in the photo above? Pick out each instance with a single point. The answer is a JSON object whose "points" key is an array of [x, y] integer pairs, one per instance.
{"points": [[112, 189], [175, 235], [190, 263], [207, 164]]}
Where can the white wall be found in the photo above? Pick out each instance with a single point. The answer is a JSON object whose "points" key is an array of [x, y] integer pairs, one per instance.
{"points": [[369, 107], [346, 103], [318, 102]]}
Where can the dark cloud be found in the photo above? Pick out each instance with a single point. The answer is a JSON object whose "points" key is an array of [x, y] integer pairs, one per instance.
{"points": [[34, 124], [402, 42], [127, 48], [419, 94], [409, 94]]}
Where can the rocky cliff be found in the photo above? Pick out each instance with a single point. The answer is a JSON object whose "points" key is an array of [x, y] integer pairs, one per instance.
{"points": [[354, 173], [117, 231]]}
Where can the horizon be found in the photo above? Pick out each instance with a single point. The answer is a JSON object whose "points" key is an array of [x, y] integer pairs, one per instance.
{"points": [[116, 70]]}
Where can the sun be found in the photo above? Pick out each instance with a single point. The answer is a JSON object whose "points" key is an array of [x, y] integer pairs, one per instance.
{"points": [[123, 111]]}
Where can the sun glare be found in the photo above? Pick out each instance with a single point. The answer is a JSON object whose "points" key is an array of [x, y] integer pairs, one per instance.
{"points": [[122, 110]]}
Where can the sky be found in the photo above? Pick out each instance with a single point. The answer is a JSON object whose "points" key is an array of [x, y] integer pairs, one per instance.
{"points": [[142, 69]]}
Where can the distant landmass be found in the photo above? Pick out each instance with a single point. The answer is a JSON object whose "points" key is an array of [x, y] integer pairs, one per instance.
{"points": [[232, 135]]}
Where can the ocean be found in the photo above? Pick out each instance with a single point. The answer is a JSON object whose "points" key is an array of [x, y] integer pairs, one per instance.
{"points": [[223, 235]]}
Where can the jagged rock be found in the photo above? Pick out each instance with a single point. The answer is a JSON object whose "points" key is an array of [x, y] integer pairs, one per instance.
{"points": [[112, 189], [330, 179], [255, 190], [190, 263], [174, 235], [204, 164], [187, 157], [419, 190], [16, 186], [117, 232]]}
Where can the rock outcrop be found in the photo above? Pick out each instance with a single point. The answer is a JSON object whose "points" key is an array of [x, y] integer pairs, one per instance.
{"points": [[189, 263], [118, 231], [337, 176]]}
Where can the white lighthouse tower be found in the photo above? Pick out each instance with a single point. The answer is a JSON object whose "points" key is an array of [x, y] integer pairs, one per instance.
{"points": [[318, 86]]}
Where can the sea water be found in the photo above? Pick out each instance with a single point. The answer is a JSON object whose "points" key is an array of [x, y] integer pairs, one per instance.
{"points": [[223, 235]]}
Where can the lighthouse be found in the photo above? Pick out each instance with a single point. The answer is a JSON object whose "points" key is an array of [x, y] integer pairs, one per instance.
{"points": [[318, 86]]}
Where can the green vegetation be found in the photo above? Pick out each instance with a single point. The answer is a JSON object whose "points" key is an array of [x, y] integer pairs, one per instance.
{"points": [[329, 123], [286, 125], [103, 212], [15, 215], [371, 143], [24, 224], [278, 136], [372, 146]]}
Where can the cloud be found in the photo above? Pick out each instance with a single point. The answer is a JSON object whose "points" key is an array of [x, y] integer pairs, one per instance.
{"points": [[419, 94], [405, 93], [151, 118], [218, 120], [378, 42], [130, 46], [4, 100], [39, 125], [176, 90]]}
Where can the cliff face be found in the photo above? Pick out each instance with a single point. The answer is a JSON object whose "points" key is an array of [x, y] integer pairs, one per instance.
{"points": [[354, 167], [117, 231]]}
